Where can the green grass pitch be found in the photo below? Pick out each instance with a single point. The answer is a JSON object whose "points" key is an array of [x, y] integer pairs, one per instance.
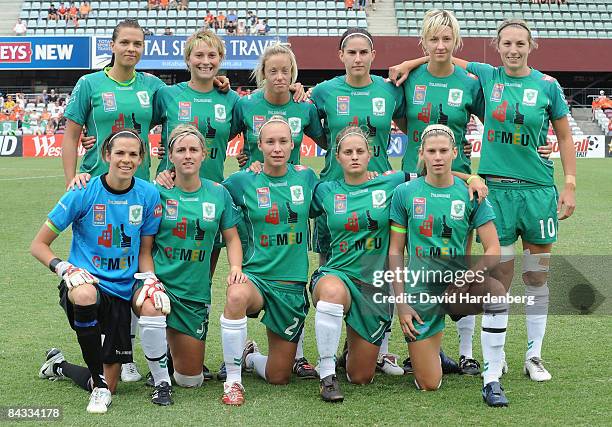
{"points": [[577, 348]]}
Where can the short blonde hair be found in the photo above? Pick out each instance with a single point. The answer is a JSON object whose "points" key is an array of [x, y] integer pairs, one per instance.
{"points": [[204, 36], [434, 22], [351, 130], [520, 23], [181, 131], [431, 131], [259, 73]]}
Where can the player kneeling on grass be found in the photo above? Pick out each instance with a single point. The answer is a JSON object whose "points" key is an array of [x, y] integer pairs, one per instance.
{"points": [[193, 212], [275, 205], [437, 214], [357, 211], [112, 219]]}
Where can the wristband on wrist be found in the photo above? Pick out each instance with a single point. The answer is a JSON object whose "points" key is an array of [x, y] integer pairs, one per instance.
{"points": [[471, 178], [53, 264]]}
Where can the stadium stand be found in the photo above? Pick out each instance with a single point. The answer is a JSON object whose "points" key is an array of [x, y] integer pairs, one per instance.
{"points": [[303, 18], [574, 19]]}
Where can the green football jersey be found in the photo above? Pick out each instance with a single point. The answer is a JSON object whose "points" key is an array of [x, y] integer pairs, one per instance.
{"points": [[372, 107], [211, 112], [358, 220], [190, 222], [275, 211], [252, 112], [518, 111], [105, 106], [448, 101], [438, 222]]}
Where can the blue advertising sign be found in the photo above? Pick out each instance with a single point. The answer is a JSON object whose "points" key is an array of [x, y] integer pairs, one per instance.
{"points": [[45, 53], [396, 147], [166, 52]]}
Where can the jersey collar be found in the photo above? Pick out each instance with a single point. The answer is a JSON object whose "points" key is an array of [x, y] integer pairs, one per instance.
{"points": [[126, 83]]}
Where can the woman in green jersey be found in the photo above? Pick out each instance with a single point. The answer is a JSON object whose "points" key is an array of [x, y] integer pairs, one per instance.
{"points": [[193, 212], [275, 73], [275, 206], [357, 215], [432, 218], [109, 100]]}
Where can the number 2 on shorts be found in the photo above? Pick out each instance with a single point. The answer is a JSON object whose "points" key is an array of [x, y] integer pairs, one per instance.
{"points": [[290, 329]]}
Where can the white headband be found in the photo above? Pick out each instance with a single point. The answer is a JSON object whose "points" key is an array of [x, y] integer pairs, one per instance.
{"points": [[357, 34], [273, 120], [349, 134]]}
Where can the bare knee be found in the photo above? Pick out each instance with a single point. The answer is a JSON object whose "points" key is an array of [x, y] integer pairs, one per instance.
{"points": [[83, 295], [237, 297], [332, 291], [360, 378], [278, 378], [428, 383]]}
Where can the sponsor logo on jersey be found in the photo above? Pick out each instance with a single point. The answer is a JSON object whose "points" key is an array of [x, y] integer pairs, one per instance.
{"points": [[446, 233], [99, 215], [497, 92], [530, 97], [379, 198], [342, 105], [297, 194], [157, 212], [426, 227], [171, 209], [472, 76], [457, 209], [135, 216], [378, 106], [143, 98], [258, 122], [184, 113], [420, 91], [300, 167], [419, 207], [263, 197], [208, 211], [455, 97], [220, 113], [499, 113], [114, 237], [109, 102], [340, 203], [295, 124]]}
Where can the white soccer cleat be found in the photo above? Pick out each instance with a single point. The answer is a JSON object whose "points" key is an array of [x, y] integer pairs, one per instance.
{"points": [[387, 363], [54, 356], [99, 401], [129, 373], [504, 367], [535, 369]]}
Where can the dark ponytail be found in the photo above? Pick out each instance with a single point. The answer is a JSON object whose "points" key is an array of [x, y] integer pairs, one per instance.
{"points": [[126, 23]]}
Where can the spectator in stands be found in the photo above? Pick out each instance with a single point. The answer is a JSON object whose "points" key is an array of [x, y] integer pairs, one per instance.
{"points": [[241, 31], [267, 27], [52, 13], [153, 5], [62, 12], [9, 104], [4, 115], [260, 28], [52, 96], [348, 4], [147, 32], [362, 4], [209, 19], [373, 4], [20, 100], [230, 27], [251, 20], [232, 17], [73, 12], [610, 127], [182, 5], [84, 10], [221, 20], [20, 28], [168, 32], [164, 4]]}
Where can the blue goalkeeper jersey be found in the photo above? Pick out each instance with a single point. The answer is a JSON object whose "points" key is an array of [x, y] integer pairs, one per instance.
{"points": [[106, 228]]}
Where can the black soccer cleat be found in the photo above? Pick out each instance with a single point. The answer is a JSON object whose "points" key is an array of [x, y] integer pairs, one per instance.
{"points": [[150, 381], [304, 370], [407, 365], [449, 366], [222, 374], [469, 366], [330, 389], [493, 395], [206, 373], [162, 394]]}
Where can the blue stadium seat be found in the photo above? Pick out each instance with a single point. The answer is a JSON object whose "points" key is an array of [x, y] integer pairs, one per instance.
{"points": [[301, 23], [36, 14], [331, 13], [182, 13], [122, 14], [192, 14], [272, 13], [292, 31], [321, 14], [282, 13], [291, 13], [102, 14]]}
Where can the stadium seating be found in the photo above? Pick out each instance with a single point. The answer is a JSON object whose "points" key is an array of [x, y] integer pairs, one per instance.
{"points": [[284, 17], [602, 118], [575, 19]]}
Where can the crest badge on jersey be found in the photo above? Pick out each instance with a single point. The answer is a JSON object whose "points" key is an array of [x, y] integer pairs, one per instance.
{"points": [[135, 216], [420, 91], [109, 102], [263, 197], [143, 98], [157, 212], [258, 122], [297, 194], [497, 92], [171, 209], [419, 207], [295, 124], [457, 209], [530, 97], [220, 113], [99, 215], [208, 211], [378, 106], [184, 113], [342, 105], [379, 198], [340, 203], [455, 97]]}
